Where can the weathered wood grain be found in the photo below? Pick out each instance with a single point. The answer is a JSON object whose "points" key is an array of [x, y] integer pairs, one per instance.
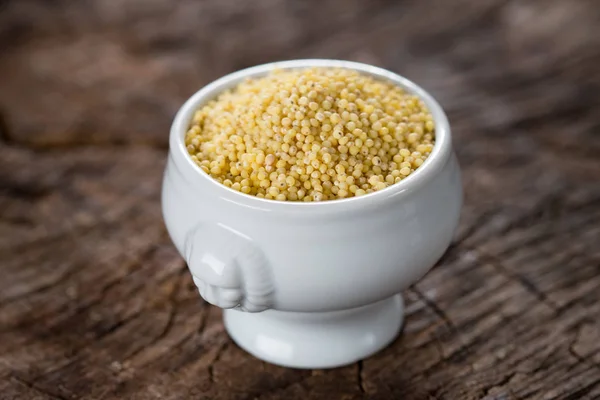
{"points": [[95, 303]]}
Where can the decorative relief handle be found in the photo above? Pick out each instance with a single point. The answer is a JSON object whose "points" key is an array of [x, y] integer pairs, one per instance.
{"points": [[230, 270]]}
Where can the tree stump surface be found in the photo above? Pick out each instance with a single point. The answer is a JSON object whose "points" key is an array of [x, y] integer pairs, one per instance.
{"points": [[95, 303]]}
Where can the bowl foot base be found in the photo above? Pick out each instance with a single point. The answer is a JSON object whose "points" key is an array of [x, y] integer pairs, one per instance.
{"points": [[317, 340]]}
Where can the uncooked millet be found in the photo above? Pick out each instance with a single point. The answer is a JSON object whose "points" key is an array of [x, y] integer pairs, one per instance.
{"points": [[311, 135]]}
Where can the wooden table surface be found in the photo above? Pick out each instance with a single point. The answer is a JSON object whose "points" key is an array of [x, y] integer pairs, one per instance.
{"points": [[95, 303]]}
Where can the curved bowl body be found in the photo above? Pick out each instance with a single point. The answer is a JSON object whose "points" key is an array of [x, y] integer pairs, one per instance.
{"points": [[323, 256]]}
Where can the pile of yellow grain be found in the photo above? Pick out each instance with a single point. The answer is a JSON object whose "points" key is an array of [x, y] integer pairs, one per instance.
{"points": [[311, 135]]}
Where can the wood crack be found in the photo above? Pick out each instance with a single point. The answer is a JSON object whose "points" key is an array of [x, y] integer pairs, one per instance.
{"points": [[37, 389], [359, 376], [524, 282], [5, 134], [216, 359], [283, 388], [498, 385], [474, 227], [579, 393], [580, 359], [435, 308]]}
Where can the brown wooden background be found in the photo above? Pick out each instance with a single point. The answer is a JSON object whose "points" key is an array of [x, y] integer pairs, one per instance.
{"points": [[96, 304]]}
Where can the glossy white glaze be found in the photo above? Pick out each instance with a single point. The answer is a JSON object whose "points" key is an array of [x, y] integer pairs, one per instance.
{"points": [[317, 340], [300, 258]]}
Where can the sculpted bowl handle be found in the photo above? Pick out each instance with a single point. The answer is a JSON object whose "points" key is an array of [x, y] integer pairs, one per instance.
{"points": [[228, 268]]}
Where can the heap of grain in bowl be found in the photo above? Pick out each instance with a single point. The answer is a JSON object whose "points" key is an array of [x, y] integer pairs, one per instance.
{"points": [[311, 135]]}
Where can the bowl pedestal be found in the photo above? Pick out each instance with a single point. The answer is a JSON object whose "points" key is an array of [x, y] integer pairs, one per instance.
{"points": [[317, 340]]}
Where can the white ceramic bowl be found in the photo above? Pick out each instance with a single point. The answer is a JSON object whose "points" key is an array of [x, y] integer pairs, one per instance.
{"points": [[310, 285]]}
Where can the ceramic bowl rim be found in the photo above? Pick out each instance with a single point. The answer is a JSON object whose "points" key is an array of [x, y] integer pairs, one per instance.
{"points": [[432, 166]]}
